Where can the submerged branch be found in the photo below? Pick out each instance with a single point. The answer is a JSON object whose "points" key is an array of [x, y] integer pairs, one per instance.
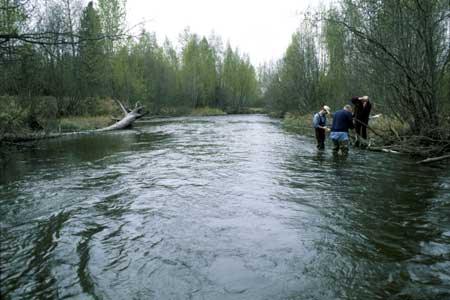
{"points": [[434, 159]]}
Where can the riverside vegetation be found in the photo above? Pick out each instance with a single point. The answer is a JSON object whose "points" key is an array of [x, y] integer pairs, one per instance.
{"points": [[63, 65], [385, 134]]}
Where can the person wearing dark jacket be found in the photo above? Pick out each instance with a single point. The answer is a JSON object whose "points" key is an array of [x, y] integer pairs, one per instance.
{"points": [[320, 126], [342, 122], [361, 116]]}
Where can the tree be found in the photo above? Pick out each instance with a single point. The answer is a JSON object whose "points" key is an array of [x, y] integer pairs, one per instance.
{"points": [[207, 73], [190, 70], [239, 81], [112, 15], [337, 76], [172, 77], [299, 73], [407, 42], [229, 78], [91, 49]]}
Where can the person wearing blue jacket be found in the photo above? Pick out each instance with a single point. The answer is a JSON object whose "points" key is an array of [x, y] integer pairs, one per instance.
{"points": [[320, 126], [342, 122]]}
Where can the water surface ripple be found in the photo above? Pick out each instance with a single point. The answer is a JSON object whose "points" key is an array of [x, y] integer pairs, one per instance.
{"points": [[230, 207]]}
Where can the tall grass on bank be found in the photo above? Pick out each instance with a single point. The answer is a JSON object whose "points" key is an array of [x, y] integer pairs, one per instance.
{"points": [[301, 124], [207, 111], [68, 124]]}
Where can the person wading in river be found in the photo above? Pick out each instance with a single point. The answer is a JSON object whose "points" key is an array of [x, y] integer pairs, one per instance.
{"points": [[361, 118], [320, 126], [342, 122]]}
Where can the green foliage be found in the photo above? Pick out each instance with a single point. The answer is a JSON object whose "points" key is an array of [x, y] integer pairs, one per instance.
{"points": [[92, 59], [89, 60], [207, 111], [12, 116], [299, 123], [112, 16], [13, 19], [335, 81], [68, 124], [398, 52], [23, 113], [190, 71], [395, 51], [239, 83], [175, 111], [295, 82]]}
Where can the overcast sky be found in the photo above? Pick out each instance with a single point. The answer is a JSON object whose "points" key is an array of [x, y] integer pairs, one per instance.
{"points": [[262, 29]]}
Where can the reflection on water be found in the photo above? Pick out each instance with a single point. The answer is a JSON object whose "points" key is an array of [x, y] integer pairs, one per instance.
{"points": [[83, 149], [227, 207]]}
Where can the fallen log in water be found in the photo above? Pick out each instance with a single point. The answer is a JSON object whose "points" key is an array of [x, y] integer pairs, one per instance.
{"points": [[130, 116], [383, 149]]}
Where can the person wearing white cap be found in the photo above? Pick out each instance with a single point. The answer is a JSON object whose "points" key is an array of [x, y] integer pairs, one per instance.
{"points": [[320, 125]]}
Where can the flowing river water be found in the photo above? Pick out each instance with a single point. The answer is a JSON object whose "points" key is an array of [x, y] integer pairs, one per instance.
{"points": [[230, 207]]}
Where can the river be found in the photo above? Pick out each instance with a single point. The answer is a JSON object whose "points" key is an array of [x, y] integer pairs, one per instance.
{"points": [[229, 207]]}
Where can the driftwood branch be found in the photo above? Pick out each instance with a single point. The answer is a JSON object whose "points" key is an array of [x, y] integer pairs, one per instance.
{"points": [[124, 109], [434, 159], [383, 149], [368, 127], [395, 133]]}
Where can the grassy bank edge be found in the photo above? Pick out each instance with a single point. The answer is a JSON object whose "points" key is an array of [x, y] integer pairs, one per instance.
{"points": [[53, 126], [385, 134], [381, 125]]}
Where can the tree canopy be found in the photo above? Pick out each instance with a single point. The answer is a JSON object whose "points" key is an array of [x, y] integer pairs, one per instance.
{"points": [[78, 54], [396, 51]]}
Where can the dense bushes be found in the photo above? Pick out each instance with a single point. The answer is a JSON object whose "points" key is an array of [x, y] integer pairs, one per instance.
{"points": [[398, 52]]}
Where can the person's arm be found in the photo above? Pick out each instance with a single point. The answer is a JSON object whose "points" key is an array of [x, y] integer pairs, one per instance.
{"points": [[351, 125], [316, 121], [369, 108], [355, 100]]}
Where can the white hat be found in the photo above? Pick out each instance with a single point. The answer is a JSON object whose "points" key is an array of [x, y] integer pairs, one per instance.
{"points": [[327, 108]]}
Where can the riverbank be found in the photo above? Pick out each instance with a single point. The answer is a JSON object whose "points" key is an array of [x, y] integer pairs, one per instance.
{"points": [[385, 134], [19, 130]]}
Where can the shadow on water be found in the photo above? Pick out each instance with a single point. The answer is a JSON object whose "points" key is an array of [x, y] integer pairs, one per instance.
{"points": [[68, 151]]}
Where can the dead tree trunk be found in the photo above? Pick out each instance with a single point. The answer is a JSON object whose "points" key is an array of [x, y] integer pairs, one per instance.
{"points": [[129, 117], [127, 121]]}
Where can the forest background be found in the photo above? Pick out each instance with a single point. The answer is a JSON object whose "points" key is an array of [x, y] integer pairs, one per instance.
{"points": [[70, 59]]}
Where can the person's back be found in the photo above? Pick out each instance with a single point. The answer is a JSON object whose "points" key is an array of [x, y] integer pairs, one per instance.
{"points": [[342, 121]]}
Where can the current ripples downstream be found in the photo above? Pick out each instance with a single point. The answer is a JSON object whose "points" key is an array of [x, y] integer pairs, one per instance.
{"points": [[227, 207]]}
